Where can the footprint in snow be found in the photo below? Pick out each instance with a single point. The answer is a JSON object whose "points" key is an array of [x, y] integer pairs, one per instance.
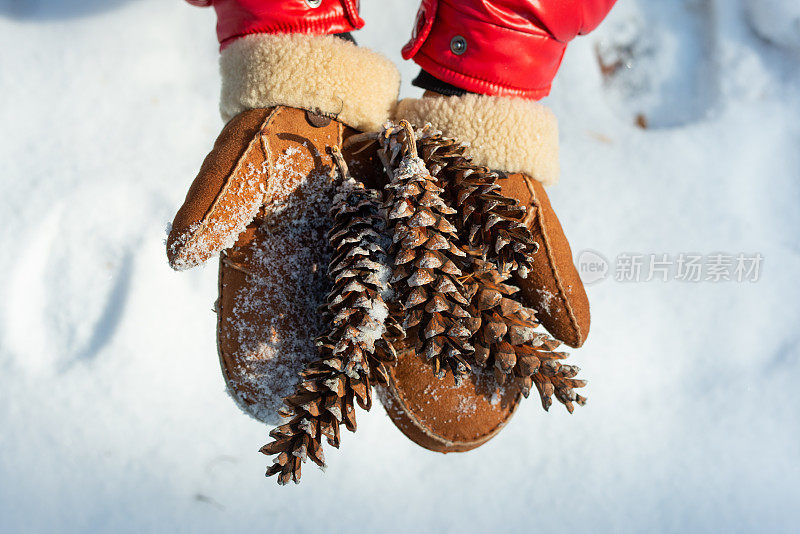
{"points": [[657, 60], [775, 21], [69, 292]]}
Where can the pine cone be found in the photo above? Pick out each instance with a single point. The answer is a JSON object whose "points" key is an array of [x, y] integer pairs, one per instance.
{"points": [[505, 339], [427, 260], [488, 220], [493, 227], [358, 345], [408, 255]]}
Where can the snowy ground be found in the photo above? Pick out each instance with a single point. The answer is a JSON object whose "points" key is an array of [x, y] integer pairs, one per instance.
{"points": [[113, 415]]}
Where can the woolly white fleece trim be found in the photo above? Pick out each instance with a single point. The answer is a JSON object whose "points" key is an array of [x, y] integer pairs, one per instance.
{"points": [[316, 72], [506, 134]]}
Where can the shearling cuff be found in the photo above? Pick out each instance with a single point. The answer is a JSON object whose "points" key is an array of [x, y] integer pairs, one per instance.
{"points": [[506, 134], [321, 73]]}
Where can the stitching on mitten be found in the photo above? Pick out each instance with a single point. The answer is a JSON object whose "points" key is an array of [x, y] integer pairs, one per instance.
{"points": [[440, 437], [551, 264], [204, 220]]}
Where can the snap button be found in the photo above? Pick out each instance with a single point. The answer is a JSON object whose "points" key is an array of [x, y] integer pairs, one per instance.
{"points": [[458, 45], [314, 3], [317, 120]]}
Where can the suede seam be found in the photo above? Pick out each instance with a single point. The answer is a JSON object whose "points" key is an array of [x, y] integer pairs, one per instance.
{"points": [[439, 437], [554, 272], [204, 220]]}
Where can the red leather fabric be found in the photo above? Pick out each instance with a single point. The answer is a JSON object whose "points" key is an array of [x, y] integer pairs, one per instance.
{"points": [[236, 18], [513, 47]]}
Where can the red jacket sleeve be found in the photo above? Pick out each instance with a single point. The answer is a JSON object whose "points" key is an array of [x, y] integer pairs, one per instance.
{"points": [[500, 47], [236, 18]]}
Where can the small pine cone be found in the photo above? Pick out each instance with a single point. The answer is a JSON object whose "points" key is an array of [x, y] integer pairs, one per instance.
{"points": [[323, 400], [506, 340], [557, 379], [488, 221], [359, 342], [427, 260], [359, 271]]}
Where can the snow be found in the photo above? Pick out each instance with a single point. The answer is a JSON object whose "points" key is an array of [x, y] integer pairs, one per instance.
{"points": [[113, 411], [777, 21], [410, 166], [194, 243], [285, 276]]}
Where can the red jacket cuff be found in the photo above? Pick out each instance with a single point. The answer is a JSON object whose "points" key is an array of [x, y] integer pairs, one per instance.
{"points": [[236, 18], [509, 48]]}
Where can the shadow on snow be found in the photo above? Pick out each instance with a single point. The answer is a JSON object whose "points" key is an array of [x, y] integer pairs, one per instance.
{"points": [[55, 9]]}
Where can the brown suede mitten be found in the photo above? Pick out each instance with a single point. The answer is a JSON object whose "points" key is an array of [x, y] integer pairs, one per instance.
{"points": [[442, 415], [507, 357], [262, 196], [519, 138]]}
